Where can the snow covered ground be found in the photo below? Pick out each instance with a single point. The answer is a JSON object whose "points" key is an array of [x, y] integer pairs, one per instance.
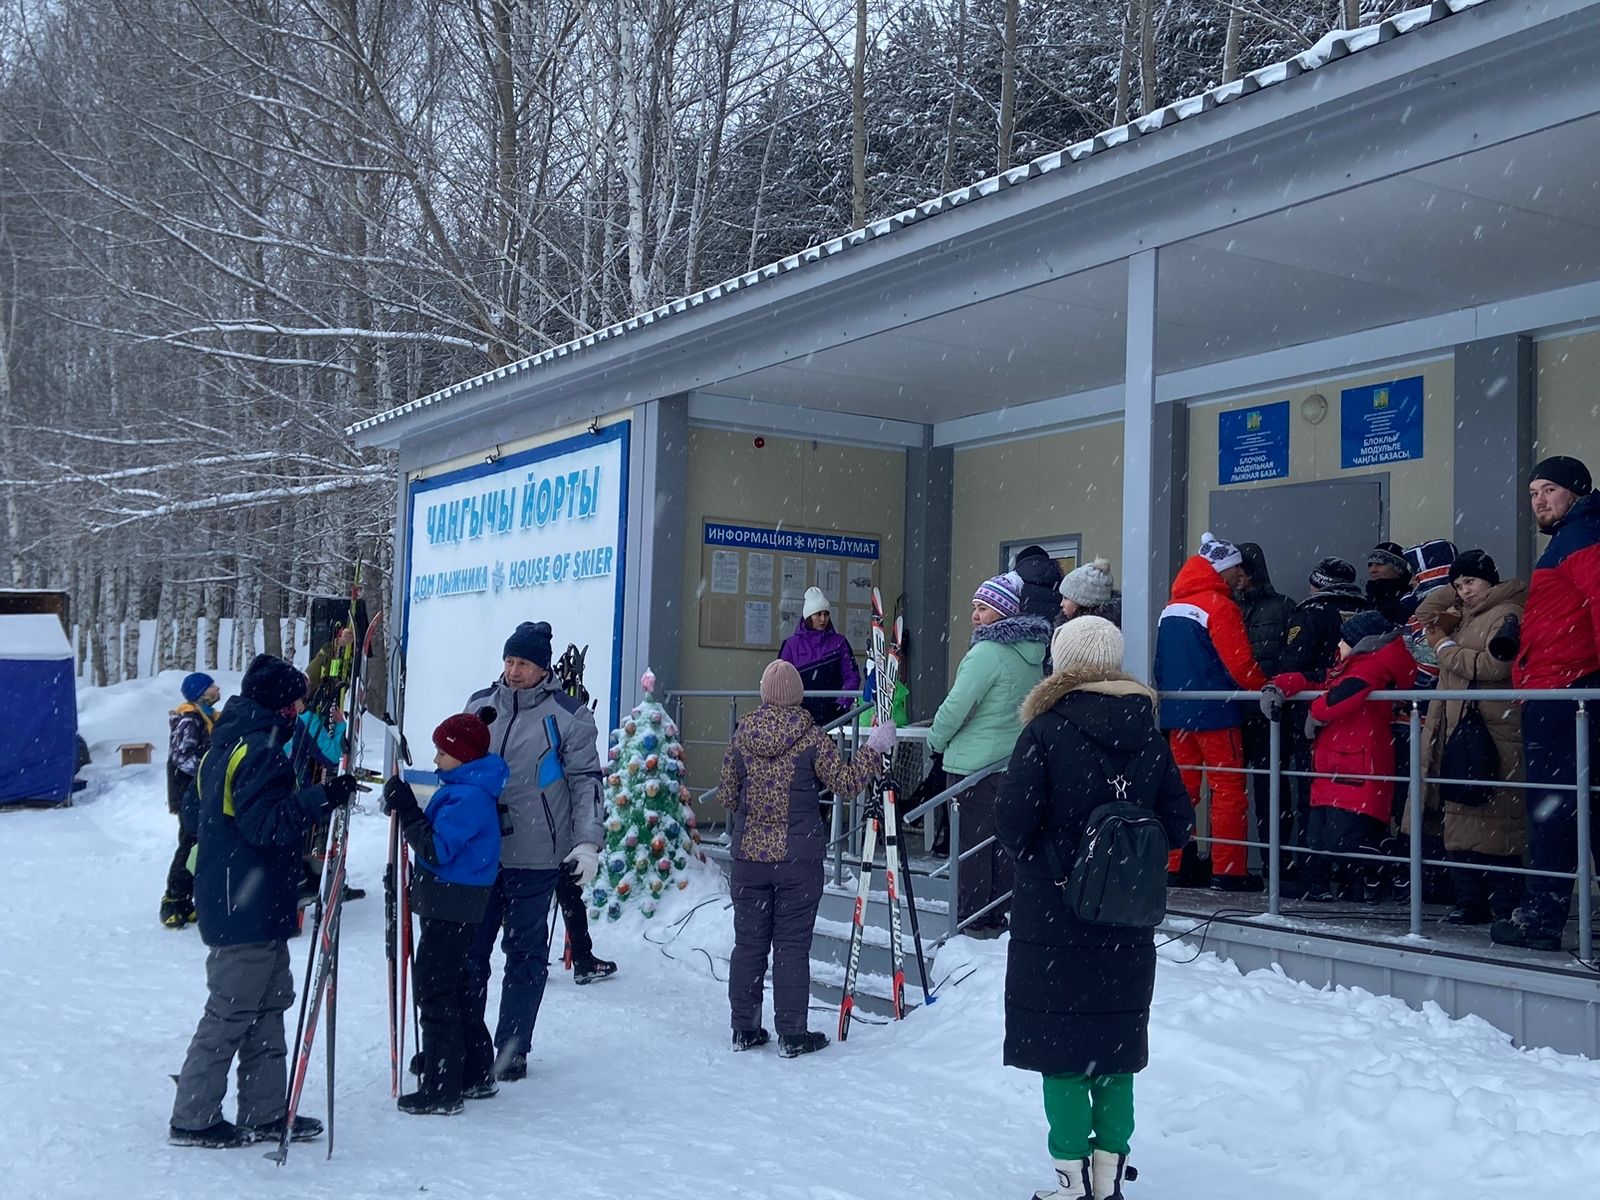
{"points": [[1258, 1088]]}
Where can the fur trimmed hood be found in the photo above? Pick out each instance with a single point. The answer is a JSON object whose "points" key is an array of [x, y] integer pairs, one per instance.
{"points": [[1051, 691], [1014, 631]]}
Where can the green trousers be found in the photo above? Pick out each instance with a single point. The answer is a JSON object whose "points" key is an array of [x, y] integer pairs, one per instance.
{"points": [[1088, 1112]]}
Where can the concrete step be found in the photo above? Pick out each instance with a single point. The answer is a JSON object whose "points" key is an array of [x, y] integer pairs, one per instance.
{"points": [[872, 992]]}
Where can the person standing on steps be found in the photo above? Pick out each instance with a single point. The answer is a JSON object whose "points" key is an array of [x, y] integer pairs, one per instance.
{"points": [[189, 728], [769, 781], [457, 843], [1388, 581], [978, 724], [1266, 613], [550, 822], [252, 822], [1077, 995], [1202, 645], [823, 657], [1090, 591]]}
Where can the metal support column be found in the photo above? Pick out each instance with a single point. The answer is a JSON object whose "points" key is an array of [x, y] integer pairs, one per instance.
{"points": [[1585, 819], [1274, 808], [1138, 461], [1414, 807]]}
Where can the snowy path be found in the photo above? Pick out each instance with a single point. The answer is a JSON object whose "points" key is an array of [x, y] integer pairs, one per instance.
{"points": [[1259, 1088]]}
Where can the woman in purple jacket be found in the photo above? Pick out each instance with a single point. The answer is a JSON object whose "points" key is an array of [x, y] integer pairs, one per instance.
{"points": [[823, 657]]}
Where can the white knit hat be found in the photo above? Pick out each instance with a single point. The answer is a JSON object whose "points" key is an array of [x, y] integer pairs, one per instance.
{"points": [[1090, 585], [815, 602], [1087, 643], [1220, 554]]}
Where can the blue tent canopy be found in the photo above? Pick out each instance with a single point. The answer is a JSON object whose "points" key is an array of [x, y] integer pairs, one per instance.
{"points": [[38, 710]]}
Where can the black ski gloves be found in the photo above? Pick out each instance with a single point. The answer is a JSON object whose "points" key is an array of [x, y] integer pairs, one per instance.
{"points": [[399, 798], [341, 789]]}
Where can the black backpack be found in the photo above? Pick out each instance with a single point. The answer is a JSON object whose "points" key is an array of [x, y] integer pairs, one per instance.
{"points": [[1119, 874]]}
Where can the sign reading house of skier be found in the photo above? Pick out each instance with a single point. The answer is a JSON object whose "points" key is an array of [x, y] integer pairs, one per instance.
{"points": [[1253, 444], [1381, 423], [754, 579], [538, 536]]}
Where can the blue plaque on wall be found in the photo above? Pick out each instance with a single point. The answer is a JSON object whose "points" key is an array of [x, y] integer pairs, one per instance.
{"points": [[1381, 423], [1253, 444]]}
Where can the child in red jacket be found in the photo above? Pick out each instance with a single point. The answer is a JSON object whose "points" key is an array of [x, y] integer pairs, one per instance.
{"points": [[1353, 742]]}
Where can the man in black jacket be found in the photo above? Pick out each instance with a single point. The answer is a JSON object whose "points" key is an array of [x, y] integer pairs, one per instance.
{"points": [[252, 823], [1266, 613]]}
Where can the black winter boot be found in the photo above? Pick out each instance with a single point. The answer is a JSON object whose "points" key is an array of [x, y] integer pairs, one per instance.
{"points": [[792, 1045], [224, 1135], [419, 1105], [306, 1129], [592, 971], [750, 1039], [515, 1067]]}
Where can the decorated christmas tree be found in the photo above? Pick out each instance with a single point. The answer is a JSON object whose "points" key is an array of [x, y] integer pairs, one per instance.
{"points": [[650, 828]]}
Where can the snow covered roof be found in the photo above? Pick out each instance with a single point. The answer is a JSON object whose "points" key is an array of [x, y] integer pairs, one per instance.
{"points": [[1335, 45], [35, 637]]}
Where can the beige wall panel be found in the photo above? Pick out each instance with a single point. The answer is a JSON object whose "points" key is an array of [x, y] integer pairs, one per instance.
{"points": [[1057, 483], [811, 485], [1421, 491], [1569, 398]]}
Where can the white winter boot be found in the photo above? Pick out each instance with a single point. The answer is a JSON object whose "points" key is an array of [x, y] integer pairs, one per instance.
{"points": [[1073, 1181], [1109, 1171]]}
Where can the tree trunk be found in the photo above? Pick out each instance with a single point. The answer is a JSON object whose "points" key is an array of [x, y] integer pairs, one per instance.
{"points": [[271, 616], [94, 617], [1125, 65], [958, 83], [161, 642], [1352, 14], [1230, 46], [858, 122], [1008, 89], [132, 590], [209, 657], [1147, 56]]}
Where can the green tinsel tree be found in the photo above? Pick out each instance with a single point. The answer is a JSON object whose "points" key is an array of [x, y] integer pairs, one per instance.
{"points": [[650, 828]]}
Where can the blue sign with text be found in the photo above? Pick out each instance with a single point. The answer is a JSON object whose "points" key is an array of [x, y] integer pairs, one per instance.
{"points": [[1253, 444], [1381, 423], [719, 533]]}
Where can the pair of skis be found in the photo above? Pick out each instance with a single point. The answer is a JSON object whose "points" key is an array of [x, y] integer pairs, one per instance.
{"points": [[883, 821], [321, 989], [397, 899]]}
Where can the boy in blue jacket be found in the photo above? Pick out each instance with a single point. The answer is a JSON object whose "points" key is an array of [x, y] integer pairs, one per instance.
{"points": [[457, 843]]}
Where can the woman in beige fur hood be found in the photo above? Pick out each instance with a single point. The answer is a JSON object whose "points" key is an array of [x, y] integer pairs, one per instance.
{"points": [[1078, 994]]}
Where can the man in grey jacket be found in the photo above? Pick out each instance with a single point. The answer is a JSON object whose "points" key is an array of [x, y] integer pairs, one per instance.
{"points": [[550, 821]]}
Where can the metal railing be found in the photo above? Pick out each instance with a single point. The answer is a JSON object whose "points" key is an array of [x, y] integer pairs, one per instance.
{"points": [[1416, 780], [675, 699]]}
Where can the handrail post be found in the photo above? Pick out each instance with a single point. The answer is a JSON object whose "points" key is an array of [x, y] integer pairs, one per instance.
{"points": [[955, 864], [1414, 806], [1274, 809], [1585, 868], [733, 718]]}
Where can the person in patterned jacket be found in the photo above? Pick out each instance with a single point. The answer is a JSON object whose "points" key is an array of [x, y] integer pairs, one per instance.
{"points": [[190, 734], [769, 783]]}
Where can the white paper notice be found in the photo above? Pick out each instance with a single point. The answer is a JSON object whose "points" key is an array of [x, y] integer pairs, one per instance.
{"points": [[757, 623], [860, 583], [725, 572], [828, 579], [758, 575], [789, 610], [858, 628], [794, 576]]}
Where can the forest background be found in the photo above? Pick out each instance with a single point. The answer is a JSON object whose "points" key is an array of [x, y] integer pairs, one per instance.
{"points": [[231, 228]]}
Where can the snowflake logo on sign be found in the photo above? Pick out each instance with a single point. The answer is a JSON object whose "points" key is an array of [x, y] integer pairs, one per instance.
{"points": [[498, 577]]}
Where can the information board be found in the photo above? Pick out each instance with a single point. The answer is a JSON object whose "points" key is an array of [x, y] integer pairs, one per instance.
{"points": [[754, 579], [1381, 423], [1253, 444]]}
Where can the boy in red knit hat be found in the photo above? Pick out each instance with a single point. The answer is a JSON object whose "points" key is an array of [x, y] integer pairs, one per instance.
{"points": [[457, 844]]}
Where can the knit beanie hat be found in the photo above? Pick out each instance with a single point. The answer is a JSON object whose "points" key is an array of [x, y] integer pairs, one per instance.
{"points": [[1003, 593], [1220, 554], [273, 683], [1087, 643], [464, 737], [196, 685], [1040, 577], [1475, 564], [1363, 625], [1430, 563], [780, 684], [815, 602], [1090, 585], [530, 640], [1566, 472], [1389, 554], [1331, 572]]}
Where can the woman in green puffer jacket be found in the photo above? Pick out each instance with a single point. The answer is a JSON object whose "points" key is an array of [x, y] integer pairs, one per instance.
{"points": [[979, 723]]}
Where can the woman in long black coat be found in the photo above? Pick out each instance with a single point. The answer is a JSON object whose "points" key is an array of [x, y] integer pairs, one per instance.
{"points": [[1077, 994]]}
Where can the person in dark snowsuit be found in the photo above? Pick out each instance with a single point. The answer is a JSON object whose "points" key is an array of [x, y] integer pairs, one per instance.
{"points": [[1266, 613], [189, 737], [1388, 581], [823, 657], [769, 782], [1077, 995], [1040, 578], [457, 843], [252, 822]]}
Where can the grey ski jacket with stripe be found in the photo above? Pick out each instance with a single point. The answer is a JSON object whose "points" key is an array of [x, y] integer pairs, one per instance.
{"points": [[545, 822]]}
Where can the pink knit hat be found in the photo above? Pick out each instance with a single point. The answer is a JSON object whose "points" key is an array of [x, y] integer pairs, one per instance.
{"points": [[780, 684]]}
